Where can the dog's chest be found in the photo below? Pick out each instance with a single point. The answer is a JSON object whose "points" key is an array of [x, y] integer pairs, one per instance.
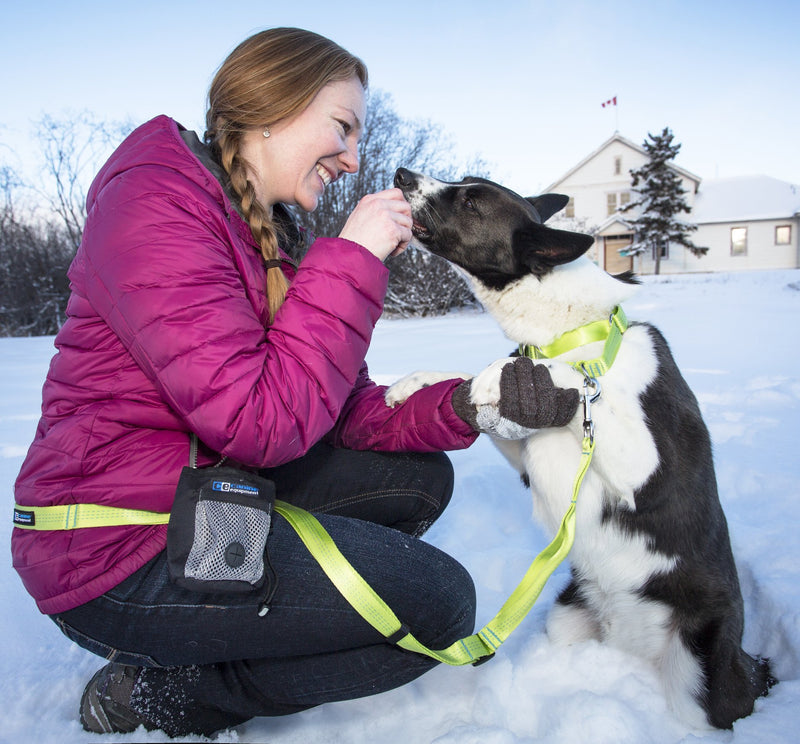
{"points": [[625, 457], [625, 452]]}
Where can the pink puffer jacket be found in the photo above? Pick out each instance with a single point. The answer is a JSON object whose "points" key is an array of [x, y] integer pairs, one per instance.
{"points": [[166, 335]]}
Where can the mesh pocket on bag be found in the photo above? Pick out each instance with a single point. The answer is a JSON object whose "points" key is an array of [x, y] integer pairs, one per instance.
{"points": [[229, 542]]}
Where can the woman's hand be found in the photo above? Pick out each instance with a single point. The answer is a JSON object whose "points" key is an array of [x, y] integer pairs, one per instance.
{"points": [[380, 222]]}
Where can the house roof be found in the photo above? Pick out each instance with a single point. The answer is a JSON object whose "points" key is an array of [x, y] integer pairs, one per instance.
{"points": [[614, 223], [617, 137], [745, 198]]}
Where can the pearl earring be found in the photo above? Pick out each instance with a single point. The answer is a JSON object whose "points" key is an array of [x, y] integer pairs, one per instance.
{"points": [[266, 131]]}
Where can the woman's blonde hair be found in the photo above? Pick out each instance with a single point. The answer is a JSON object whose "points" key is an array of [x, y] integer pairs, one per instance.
{"points": [[271, 76]]}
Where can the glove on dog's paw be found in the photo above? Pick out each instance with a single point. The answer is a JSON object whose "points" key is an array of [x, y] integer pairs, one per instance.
{"points": [[528, 400]]}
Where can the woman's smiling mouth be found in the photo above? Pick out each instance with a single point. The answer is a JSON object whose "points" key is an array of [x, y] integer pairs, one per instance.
{"points": [[325, 175]]}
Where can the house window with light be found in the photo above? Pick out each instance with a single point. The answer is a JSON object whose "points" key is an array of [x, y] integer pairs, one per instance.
{"points": [[783, 235], [738, 241], [569, 210]]}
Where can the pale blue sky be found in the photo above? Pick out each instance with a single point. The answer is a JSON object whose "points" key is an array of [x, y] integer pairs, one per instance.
{"points": [[518, 83]]}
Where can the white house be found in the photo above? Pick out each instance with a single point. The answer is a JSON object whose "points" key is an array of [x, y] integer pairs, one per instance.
{"points": [[748, 222]]}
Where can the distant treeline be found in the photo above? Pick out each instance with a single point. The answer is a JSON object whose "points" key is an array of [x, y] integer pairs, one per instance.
{"points": [[41, 225]]}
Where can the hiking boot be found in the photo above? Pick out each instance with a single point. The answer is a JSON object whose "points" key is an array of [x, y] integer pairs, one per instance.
{"points": [[105, 705]]}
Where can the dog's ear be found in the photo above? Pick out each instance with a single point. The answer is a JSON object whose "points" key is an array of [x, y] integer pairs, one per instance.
{"points": [[547, 205], [539, 248]]}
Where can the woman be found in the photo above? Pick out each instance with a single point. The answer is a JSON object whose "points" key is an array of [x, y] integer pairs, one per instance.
{"points": [[188, 319]]}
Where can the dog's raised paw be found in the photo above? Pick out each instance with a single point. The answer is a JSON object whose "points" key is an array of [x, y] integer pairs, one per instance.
{"points": [[486, 386], [406, 386]]}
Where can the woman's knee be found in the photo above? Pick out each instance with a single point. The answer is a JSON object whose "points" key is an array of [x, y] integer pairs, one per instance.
{"points": [[438, 597], [457, 609], [426, 493]]}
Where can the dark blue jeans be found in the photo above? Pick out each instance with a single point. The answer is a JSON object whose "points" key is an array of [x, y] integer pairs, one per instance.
{"points": [[210, 662]]}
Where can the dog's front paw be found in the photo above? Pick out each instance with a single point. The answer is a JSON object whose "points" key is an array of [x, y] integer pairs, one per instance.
{"points": [[485, 389], [406, 386]]}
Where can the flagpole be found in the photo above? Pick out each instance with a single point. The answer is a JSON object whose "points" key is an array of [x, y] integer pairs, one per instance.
{"points": [[613, 102]]}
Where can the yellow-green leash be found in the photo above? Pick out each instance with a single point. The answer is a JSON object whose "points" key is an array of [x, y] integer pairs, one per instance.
{"points": [[345, 578], [470, 650], [379, 615]]}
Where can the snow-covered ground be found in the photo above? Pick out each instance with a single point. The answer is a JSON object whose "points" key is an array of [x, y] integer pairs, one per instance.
{"points": [[736, 337]]}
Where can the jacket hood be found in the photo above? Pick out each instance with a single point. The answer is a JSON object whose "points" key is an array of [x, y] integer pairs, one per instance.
{"points": [[157, 144]]}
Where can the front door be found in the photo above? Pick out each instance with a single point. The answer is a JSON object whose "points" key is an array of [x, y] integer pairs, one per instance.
{"points": [[614, 262]]}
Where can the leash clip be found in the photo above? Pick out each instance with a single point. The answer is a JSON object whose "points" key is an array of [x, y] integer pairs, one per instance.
{"points": [[588, 399]]}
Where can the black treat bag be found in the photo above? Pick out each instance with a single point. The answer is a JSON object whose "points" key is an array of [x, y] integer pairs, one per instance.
{"points": [[218, 528]]}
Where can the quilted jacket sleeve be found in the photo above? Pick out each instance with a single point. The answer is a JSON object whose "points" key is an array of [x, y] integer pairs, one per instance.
{"points": [[182, 287], [426, 422]]}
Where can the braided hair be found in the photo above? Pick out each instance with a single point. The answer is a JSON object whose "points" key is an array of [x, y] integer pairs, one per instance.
{"points": [[269, 77]]}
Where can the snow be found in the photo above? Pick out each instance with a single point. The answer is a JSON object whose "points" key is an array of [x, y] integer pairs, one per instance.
{"points": [[745, 198], [736, 338]]}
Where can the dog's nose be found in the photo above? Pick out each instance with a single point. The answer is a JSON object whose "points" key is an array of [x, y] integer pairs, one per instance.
{"points": [[403, 177]]}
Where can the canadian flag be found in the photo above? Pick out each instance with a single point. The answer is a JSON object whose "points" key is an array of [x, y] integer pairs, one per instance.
{"points": [[610, 102]]}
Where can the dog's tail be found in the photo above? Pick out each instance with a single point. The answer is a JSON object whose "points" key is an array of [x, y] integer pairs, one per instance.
{"points": [[627, 277]]}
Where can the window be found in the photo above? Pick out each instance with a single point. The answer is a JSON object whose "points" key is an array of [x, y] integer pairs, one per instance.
{"points": [[783, 235], [664, 245], [569, 210], [617, 165], [617, 199], [738, 241]]}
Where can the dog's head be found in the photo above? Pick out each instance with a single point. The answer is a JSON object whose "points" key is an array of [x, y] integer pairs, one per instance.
{"points": [[489, 231]]}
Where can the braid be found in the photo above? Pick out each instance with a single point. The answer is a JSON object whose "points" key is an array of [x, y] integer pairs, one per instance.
{"points": [[261, 225], [270, 77]]}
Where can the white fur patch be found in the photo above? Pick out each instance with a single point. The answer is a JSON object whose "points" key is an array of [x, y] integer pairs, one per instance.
{"points": [[426, 187]]}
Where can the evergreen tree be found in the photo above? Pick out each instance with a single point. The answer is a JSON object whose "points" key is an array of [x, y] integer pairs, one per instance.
{"points": [[661, 199]]}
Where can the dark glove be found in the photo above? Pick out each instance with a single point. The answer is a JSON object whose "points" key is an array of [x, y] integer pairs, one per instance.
{"points": [[528, 400]]}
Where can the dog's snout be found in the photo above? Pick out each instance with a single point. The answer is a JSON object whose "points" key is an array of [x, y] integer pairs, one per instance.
{"points": [[403, 178]]}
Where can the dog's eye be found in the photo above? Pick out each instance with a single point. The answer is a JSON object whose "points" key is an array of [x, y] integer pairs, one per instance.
{"points": [[469, 204]]}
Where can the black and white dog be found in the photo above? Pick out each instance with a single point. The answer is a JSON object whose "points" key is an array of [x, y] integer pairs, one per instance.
{"points": [[652, 567]]}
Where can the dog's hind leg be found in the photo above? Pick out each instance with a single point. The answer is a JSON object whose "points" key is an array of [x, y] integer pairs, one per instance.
{"points": [[734, 681]]}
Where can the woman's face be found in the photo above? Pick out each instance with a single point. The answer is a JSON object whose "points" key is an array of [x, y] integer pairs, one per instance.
{"points": [[305, 154]]}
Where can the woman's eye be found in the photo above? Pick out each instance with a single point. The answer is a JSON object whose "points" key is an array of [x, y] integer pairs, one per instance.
{"points": [[346, 128]]}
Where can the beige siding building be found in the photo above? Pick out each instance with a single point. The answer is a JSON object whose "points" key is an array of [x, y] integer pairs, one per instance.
{"points": [[747, 222]]}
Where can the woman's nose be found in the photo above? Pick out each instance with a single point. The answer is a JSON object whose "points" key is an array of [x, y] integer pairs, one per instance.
{"points": [[349, 159]]}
